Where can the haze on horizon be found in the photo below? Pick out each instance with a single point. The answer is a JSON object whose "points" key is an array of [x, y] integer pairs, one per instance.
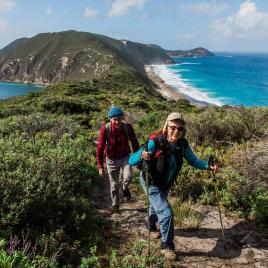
{"points": [[218, 25]]}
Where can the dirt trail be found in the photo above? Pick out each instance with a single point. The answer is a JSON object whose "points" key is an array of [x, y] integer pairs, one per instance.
{"points": [[204, 247]]}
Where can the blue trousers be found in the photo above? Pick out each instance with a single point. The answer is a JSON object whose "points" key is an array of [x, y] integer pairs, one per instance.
{"points": [[160, 210]]}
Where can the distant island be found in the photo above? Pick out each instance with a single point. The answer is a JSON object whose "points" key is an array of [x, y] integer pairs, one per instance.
{"points": [[49, 58], [196, 52]]}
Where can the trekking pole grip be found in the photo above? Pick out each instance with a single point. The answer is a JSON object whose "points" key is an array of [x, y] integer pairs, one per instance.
{"points": [[145, 162], [211, 160]]}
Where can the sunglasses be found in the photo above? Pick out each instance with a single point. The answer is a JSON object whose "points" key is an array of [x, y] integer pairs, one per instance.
{"points": [[173, 128]]}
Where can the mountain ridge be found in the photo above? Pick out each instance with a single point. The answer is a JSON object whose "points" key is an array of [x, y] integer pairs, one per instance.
{"points": [[49, 58]]}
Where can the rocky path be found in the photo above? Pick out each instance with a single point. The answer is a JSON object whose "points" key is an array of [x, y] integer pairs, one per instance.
{"points": [[244, 245]]}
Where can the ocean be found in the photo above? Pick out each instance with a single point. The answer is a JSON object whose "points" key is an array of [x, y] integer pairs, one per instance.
{"points": [[226, 78], [8, 90]]}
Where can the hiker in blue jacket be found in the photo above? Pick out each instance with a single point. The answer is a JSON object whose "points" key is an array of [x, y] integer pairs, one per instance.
{"points": [[164, 154]]}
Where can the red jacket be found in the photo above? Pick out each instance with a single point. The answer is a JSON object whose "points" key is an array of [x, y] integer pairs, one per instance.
{"points": [[117, 147]]}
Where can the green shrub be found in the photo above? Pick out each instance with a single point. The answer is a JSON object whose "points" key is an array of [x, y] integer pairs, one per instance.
{"points": [[24, 257], [92, 260], [208, 196], [239, 194], [136, 258], [224, 126], [259, 210], [68, 106], [44, 184]]}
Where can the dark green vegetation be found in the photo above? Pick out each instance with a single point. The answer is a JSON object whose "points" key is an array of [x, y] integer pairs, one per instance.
{"points": [[48, 167], [67, 56]]}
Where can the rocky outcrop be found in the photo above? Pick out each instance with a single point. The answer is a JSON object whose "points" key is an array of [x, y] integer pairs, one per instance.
{"points": [[77, 65]]}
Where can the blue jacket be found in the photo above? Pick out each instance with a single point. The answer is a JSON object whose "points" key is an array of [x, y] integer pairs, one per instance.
{"points": [[190, 157]]}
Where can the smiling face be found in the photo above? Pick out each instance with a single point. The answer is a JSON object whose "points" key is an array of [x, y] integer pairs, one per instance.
{"points": [[116, 121], [174, 131]]}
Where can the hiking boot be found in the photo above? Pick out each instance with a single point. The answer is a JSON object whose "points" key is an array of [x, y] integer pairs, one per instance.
{"points": [[152, 227], [115, 209], [155, 235], [126, 195], [168, 250]]}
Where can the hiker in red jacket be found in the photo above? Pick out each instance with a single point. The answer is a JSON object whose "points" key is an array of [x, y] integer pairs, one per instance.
{"points": [[113, 142]]}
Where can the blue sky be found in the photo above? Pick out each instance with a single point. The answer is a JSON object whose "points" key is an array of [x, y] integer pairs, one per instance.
{"points": [[218, 25]]}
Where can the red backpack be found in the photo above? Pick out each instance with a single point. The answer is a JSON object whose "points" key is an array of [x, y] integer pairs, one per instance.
{"points": [[152, 137]]}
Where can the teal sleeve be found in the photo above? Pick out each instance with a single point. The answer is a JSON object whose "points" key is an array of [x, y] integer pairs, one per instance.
{"points": [[135, 158], [193, 160]]}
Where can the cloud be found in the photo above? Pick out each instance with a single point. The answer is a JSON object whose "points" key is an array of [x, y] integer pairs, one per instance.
{"points": [[91, 12], [247, 23], [3, 25], [6, 5], [211, 9], [121, 7], [49, 10]]}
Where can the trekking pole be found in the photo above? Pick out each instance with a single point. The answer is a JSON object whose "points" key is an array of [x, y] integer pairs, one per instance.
{"points": [[145, 169], [211, 162]]}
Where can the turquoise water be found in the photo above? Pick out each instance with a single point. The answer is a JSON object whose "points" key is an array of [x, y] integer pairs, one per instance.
{"points": [[227, 78], [8, 90]]}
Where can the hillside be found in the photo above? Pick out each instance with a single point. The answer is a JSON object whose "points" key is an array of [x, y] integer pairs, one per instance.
{"points": [[196, 52], [66, 56], [54, 210]]}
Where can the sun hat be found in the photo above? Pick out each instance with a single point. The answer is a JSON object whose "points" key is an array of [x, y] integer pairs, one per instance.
{"points": [[174, 116], [171, 117], [115, 111]]}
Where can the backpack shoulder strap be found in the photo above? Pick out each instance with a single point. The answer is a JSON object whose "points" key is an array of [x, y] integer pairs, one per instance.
{"points": [[161, 145], [161, 141], [108, 130]]}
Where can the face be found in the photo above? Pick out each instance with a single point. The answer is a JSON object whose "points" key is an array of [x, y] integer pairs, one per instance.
{"points": [[174, 132], [116, 121]]}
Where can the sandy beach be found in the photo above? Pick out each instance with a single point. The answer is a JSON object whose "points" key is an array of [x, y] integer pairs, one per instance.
{"points": [[165, 90], [168, 91]]}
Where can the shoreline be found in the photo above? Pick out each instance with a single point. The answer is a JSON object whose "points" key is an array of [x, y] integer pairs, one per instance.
{"points": [[169, 91], [41, 85]]}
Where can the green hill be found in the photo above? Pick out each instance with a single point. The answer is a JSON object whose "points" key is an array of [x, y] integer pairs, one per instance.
{"points": [[65, 56]]}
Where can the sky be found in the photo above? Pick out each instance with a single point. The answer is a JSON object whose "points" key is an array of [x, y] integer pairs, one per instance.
{"points": [[218, 25]]}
